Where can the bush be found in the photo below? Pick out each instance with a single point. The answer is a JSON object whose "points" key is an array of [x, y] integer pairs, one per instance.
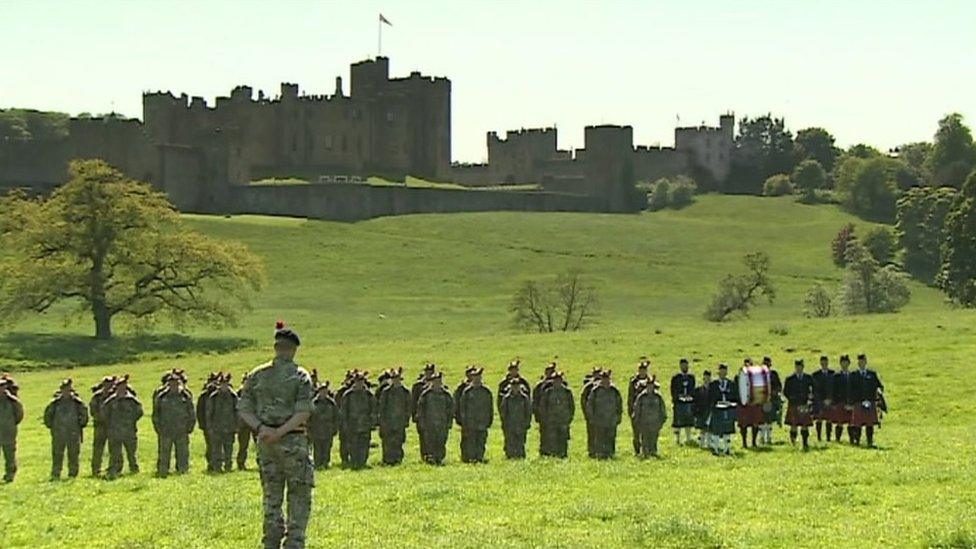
{"points": [[818, 302], [676, 192], [737, 294], [682, 192], [880, 243], [867, 188], [838, 247], [777, 185], [660, 195], [566, 304], [869, 288], [808, 177]]}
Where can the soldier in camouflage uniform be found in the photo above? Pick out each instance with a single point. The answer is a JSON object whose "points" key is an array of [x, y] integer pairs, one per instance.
{"points": [[222, 423], [394, 411], [66, 416], [649, 415], [276, 402], [512, 375], [11, 414], [590, 381], [100, 391], [121, 413], [173, 418], [357, 417], [417, 389], [515, 411], [556, 410], [244, 435], [475, 415], [456, 395], [202, 401], [323, 425], [605, 409], [344, 441], [634, 387], [435, 409]]}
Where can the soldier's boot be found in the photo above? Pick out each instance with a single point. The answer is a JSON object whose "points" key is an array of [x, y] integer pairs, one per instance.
{"points": [[830, 430], [805, 434], [838, 431], [870, 433]]}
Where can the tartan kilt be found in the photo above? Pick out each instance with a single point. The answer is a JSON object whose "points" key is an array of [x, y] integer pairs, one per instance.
{"points": [[798, 418], [701, 421], [684, 415], [773, 410], [821, 411], [750, 415], [722, 421], [864, 417], [839, 414]]}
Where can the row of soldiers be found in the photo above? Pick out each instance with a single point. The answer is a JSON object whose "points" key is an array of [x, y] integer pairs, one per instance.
{"points": [[828, 399]]}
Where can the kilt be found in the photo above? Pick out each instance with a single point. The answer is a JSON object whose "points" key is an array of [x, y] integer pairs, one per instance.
{"points": [[701, 421], [684, 415], [750, 415], [797, 418], [722, 421], [839, 414], [821, 411], [862, 416], [773, 410]]}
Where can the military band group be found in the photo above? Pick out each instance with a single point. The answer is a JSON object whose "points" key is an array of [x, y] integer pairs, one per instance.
{"points": [[706, 413]]}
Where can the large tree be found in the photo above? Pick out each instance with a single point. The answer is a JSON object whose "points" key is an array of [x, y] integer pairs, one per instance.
{"points": [[116, 248], [958, 276], [867, 186], [764, 147], [920, 228], [953, 154], [816, 144], [808, 177]]}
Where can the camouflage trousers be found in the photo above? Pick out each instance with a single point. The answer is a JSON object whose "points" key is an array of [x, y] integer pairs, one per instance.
{"points": [[635, 430], [244, 437], [168, 445], [514, 442], [436, 444], [473, 445], [99, 441], [357, 444], [8, 446], [322, 446], [62, 443], [648, 440], [116, 445], [286, 465], [554, 441], [604, 441], [222, 447], [393, 440]]}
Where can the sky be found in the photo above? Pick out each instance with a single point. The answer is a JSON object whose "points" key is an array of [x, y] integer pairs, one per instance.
{"points": [[878, 72]]}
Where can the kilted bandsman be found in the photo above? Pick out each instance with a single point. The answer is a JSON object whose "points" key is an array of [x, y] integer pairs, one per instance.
{"points": [[823, 380], [841, 408], [722, 398], [773, 410], [682, 400], [866, 392], [702, 409], [799, 393], [750, 416]]}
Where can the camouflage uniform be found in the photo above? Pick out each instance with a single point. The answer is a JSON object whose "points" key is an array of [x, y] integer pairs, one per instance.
{"points": [[649, 416], [589, 382], [173, 418], [121, 413], [99, 432], [244, 437], [475, 416], [322, 427], [202, 401], [11, 414], [222, 424], [66, 416], [605, 408], [634, 389], [357, 416], [515, 410], [274, 393], [434, 412], [395, 409], [556, 410]]}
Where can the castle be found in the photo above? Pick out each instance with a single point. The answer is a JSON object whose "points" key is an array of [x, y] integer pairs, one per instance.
{"points": [[206, 157]]}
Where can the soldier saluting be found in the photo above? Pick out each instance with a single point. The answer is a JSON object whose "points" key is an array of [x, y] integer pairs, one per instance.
{"points": [[276, 402]]}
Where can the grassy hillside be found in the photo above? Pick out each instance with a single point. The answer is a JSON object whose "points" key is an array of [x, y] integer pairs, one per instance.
{"points": [[436, 287]]}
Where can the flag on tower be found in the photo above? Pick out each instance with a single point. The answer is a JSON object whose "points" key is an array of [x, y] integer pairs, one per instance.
{"points": [[385, 20]]}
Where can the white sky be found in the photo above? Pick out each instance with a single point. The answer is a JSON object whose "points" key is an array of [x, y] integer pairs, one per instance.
{"points": [[881, 72]]}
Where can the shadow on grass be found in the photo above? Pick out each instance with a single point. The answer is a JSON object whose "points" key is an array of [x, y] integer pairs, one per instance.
{"points": [[28, 351]]}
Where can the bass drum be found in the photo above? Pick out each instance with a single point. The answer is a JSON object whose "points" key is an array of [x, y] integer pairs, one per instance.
{"points": [[755, 386]]}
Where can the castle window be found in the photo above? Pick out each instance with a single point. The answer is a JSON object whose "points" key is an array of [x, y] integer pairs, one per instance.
{"points": [[389, 116], [345, 144], [327, 142]]}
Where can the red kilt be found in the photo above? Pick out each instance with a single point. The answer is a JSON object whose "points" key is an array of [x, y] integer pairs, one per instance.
{"points": [[797, 418], [839, 414], [750, 415], [862, 417], [822, 412]]}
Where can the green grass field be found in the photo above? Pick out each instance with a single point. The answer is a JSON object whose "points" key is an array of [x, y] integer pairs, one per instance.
{"points": [[403, 290]]}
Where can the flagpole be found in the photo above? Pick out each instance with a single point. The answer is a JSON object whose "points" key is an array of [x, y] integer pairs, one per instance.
{"points": [[379, 37]]}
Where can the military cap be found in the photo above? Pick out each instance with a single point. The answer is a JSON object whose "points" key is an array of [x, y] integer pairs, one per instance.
{"points": [[436, 375], [396, 372], [644, 363], [67, 383], [824, 358], [513, 365], [557, 374], [767, 361], [474, 371], [283, 333], [707, 373], [606, 373]]}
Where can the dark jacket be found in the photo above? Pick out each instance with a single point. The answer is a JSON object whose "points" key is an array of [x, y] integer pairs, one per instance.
{"points": [[823, 382], [841, 388], [682, 385], [717, 392], [799, 389], [865, 386]]}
